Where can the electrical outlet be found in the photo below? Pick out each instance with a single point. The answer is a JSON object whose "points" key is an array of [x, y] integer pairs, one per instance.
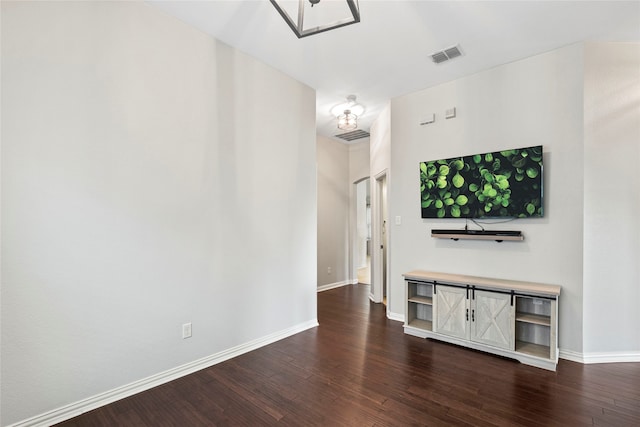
{"points": [[186, 330], [328, 270]]}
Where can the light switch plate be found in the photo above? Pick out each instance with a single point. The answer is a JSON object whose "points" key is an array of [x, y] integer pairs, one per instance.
{"points": [[450, 113], [186, 330], [427, 119]]}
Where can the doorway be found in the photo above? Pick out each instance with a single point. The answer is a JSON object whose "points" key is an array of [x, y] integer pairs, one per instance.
{"points": [[381, 231], [363, 231]]}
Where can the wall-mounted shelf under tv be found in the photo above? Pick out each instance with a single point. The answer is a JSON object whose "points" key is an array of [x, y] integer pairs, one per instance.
{"points": [[497, 235]]}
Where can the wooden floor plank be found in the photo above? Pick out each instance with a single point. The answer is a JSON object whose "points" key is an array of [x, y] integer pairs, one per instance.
{"points": [[358, 368]]}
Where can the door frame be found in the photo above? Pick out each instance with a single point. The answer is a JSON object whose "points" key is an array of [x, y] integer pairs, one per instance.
{"points": [[353, 235], [378, 280]]}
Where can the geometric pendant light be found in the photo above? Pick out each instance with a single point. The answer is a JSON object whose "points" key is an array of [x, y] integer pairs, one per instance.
{"points": [[308, 17]]}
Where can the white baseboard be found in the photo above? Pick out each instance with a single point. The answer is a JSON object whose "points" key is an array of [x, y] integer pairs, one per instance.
{"points": [[323, 288], [573, 356], [78, 408], [612, 357], [399, 317], [600, 357], [373, 300]]}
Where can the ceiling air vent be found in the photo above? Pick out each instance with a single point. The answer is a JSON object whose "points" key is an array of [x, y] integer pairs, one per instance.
{"points": [[353, 135], [446, 54]]}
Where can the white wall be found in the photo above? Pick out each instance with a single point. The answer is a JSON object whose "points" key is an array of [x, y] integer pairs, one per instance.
{"points": [[380, 159], [147, 181], [612, 200], [333, 212], [530, 102], [359, 160], [380, 142]]}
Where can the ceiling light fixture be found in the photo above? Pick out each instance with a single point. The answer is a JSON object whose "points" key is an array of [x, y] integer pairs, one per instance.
{"points": [[347, 113], [326, 16], [347, 120]]}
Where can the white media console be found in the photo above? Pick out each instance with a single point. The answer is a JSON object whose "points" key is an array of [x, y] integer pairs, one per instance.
{"points": [[510, 318]]}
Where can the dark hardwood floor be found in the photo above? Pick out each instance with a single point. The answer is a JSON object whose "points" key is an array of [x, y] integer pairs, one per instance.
{"points": [[359, 369]]}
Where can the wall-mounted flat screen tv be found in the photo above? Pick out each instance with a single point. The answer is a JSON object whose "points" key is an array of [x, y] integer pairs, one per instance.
{"points": [[504, 183]]}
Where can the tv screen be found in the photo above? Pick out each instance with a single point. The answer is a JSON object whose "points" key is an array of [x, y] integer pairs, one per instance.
{"points": [[505, 183]]}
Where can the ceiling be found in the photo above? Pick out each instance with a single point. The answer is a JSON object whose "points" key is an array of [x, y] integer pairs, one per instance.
{"points": [[387, 54]]}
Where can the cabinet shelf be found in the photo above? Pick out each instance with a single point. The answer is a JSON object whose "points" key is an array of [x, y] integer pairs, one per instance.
{"points": [[421, 300], [533, 318], [533, 349], [419, 306], [421, 324]]}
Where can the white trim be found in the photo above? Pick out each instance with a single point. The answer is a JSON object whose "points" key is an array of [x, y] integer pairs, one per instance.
{"points": [[601, 357], [80, 407], [573, 356], [377, 278], [611, 357], [381, 174], [398, 317], [323, 288]]}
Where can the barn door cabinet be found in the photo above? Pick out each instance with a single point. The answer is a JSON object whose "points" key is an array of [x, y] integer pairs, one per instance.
{"points": [[509, 318]]}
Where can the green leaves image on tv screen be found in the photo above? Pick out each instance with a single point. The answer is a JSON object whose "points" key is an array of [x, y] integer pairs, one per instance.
{"points": [[500, 184]]}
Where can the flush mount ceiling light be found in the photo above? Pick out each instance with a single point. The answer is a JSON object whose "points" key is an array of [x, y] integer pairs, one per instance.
{"points": [[347, 113], [325, 16], [347, 120]]}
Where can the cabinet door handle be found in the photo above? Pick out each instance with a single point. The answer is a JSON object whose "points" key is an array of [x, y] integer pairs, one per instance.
{"points": [[473, 315], [467, 314]]}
